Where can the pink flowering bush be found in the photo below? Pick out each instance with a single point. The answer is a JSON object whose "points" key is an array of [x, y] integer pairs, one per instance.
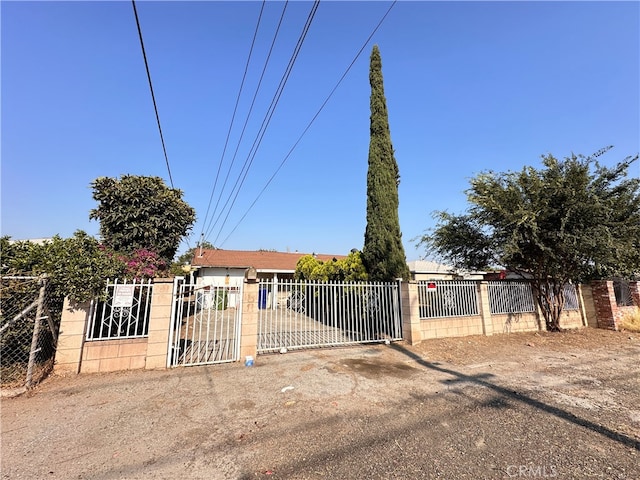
{"points": [[143, 263]]}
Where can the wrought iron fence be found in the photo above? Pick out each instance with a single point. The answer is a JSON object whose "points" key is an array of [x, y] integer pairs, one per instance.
{"points": [[123, 313], [448, 298], [571, 297], [311, 314], [622, 292], [29, 321], [510, 297], [206, 324]]}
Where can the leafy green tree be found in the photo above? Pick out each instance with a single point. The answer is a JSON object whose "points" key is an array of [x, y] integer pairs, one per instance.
{"points": [[309, 268], [573, 220], [77, 267], [383, 254], [348, 269], [351, 268], [138, 212]]}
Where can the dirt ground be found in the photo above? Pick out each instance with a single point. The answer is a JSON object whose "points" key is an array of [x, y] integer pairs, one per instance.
{"points": [[531, 405]]}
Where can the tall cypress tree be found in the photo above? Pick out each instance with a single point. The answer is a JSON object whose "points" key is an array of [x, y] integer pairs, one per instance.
{"points": [[383, 254]]}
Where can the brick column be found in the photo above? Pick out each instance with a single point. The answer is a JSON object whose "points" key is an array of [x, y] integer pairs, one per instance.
{"points": [[635, 293], [411, 328], [71, 337], [250, 316], [159, 323], [604, 300]]}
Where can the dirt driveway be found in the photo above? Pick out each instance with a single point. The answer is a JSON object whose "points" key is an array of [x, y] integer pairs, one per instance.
{"points": [[511, 406]]}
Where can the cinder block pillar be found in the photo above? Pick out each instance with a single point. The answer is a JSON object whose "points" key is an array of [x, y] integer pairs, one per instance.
{"points": [[587, 307], [250, 317], [71, 337], [485, 308], [411, 329], [159, 323]]}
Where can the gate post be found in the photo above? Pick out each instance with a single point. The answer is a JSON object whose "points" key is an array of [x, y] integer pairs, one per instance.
{"points": [[159, 323], [411, 330], [249, 325], [485, 308], [73, 323]]}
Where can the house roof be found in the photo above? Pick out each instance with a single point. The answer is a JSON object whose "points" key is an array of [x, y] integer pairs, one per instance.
{"points": [[427, 266], [260, 260]]}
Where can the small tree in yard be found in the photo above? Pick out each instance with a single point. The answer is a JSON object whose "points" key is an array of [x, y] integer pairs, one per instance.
{"points": [[348, 269], [383, 254], [137, 212], [572, 220]]}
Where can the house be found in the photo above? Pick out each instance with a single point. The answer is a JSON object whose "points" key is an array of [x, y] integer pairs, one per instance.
{"points": [[218, 268], [428, 270], [506, 275]]}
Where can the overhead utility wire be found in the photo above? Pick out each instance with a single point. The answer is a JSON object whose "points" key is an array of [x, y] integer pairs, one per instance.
{"points": [[233, 116], [269, 115], [255, 95], [265, 121], [310, 123], [153, 97]]}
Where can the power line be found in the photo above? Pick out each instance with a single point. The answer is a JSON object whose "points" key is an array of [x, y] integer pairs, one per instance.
{"points": [[311, 122], [153, 97], [269, 115], [257, 89], [233, 116]]}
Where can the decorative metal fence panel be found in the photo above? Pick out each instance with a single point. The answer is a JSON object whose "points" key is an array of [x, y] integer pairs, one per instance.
{"points": [[622, 292], [510, 297], [296, 315], [124, 311], [571, 297], [205, 327], [448, 298], [29, 319]]}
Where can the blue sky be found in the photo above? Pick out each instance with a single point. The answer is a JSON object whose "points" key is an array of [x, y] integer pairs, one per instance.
{"points": [[470, 86]]}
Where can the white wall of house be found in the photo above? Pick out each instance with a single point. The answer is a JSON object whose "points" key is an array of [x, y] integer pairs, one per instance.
{"points": [[223, 277]]}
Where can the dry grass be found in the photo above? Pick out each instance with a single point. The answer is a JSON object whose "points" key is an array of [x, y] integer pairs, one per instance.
{"points": [[631, 321]]}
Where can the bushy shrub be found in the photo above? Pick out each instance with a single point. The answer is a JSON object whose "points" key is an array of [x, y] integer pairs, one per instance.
{"points": [[77, 267], [348, 269]]}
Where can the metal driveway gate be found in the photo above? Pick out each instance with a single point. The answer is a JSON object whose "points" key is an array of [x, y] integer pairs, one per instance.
{"points": [[296, 315], [205, 326]]}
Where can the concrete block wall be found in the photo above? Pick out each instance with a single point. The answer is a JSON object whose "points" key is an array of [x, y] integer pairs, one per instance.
{"points": [[159, 324], [77, 355], [114, 355], [71, 337], [249, 322], [411, 325], [572, 319], [416, 329], [587, 306], [451, 327], [516, 322]]}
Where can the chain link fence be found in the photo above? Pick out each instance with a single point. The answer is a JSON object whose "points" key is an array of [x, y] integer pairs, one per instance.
{"points": [[29, 322]]}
